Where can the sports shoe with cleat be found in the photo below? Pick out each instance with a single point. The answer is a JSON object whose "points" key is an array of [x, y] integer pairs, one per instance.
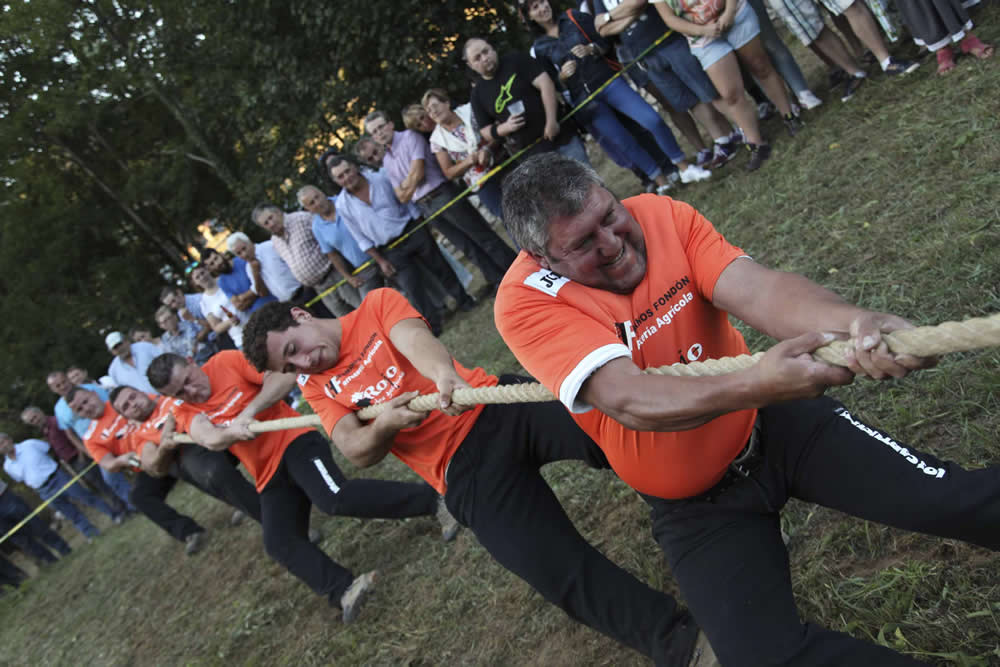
{"points": [[722, 153], [354, 597], [703, 654], [449, 524], [852, 86], [693, 173], [758, 153], [704, 155], [901, 67], [793, 124]]}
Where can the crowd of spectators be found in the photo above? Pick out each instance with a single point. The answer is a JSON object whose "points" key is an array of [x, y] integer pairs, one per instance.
{"points": [[721, 71]]}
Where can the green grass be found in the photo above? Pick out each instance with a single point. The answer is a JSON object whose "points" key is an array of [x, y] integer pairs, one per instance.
{"points": [[890, 199]]}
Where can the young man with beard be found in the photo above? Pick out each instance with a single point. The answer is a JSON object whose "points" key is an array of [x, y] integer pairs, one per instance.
{"points": [[484, 459], [245, 288], [293, 469], [604, 289]]}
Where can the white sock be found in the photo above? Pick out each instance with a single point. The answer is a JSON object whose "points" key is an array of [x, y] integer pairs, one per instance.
{"points": [[885, 63], [860, 74]]}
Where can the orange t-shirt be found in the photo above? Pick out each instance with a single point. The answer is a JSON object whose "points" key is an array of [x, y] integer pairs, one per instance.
{"points": [[234, 384], [151, 429], [109, 434], [562, 332], [370, 370]]}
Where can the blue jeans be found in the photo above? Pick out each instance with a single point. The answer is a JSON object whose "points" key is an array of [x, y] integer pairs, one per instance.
{"points": [[69, 510], [678, 74], [119, 485], [619, 95], [783, 60]]}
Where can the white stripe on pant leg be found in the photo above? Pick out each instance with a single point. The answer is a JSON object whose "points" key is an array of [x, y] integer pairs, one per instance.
{"points": [[326, 475]]}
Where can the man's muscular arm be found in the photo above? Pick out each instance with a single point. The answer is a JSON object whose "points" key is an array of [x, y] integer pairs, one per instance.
{"points": [[364, 445], [747, 290]]}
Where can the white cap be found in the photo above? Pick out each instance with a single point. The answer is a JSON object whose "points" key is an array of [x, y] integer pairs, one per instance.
{"points": [[113, 339]]}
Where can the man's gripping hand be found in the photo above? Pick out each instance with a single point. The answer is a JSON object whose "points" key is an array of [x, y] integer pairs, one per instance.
{"points": [[788, 372], [446, 386], [396, 416], [870, 355]]}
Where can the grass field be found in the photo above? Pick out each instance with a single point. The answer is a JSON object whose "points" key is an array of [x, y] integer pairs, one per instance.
{"points": [[890, 199]]}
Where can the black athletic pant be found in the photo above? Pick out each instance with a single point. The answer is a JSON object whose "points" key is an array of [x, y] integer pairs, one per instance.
{"points": [[461, 224], [725, 548], [308, 476], [211, 472], [495, 488], [216, 474]]}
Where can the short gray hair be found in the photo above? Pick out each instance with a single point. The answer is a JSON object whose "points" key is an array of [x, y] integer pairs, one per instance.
{"points": [[236, 237], [260, 208], [542, 187], [375, 115], [307, 188]]}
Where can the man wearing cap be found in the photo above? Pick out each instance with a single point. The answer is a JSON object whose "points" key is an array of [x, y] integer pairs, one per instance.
{"points": [[30, 462], [131, 361]]}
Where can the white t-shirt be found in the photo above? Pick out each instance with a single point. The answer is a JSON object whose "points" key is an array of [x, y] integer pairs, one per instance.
{"points": [[219, 306], [277, 277]]}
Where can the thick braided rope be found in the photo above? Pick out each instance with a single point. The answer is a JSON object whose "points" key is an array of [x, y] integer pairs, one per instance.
{"points": [[926, 341]]}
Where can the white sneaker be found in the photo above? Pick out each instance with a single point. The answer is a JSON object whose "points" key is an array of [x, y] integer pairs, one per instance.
{"points": [[694, 173], [356, 594], [808, 100]]}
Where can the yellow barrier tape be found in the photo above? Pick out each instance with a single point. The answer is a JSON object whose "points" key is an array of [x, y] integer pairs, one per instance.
{"points": [[46, 502], [492, 172]]}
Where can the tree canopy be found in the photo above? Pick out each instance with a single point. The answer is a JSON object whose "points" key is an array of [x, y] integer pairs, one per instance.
{"points": [[126, 124]]}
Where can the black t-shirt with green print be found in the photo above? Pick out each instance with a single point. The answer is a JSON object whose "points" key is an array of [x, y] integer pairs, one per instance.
{"points": [[492, 97]]}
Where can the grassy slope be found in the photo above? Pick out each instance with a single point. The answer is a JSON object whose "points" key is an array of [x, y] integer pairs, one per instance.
{"points": [[889, 199]]}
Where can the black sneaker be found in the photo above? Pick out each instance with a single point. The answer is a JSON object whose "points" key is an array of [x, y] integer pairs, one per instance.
{"points": [[837, 77], [852, 87], [793, 124], [901, 67], [758, 153]]}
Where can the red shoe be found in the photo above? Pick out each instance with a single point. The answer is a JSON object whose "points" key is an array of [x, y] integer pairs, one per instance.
{"points": [[945, 60], [975, 46]]}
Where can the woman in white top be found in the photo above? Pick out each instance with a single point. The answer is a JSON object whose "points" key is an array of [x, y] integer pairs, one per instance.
{"points": [[460, 150]]}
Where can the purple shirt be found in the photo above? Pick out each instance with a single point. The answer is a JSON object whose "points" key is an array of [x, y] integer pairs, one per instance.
{"points": [[408, 146]]}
